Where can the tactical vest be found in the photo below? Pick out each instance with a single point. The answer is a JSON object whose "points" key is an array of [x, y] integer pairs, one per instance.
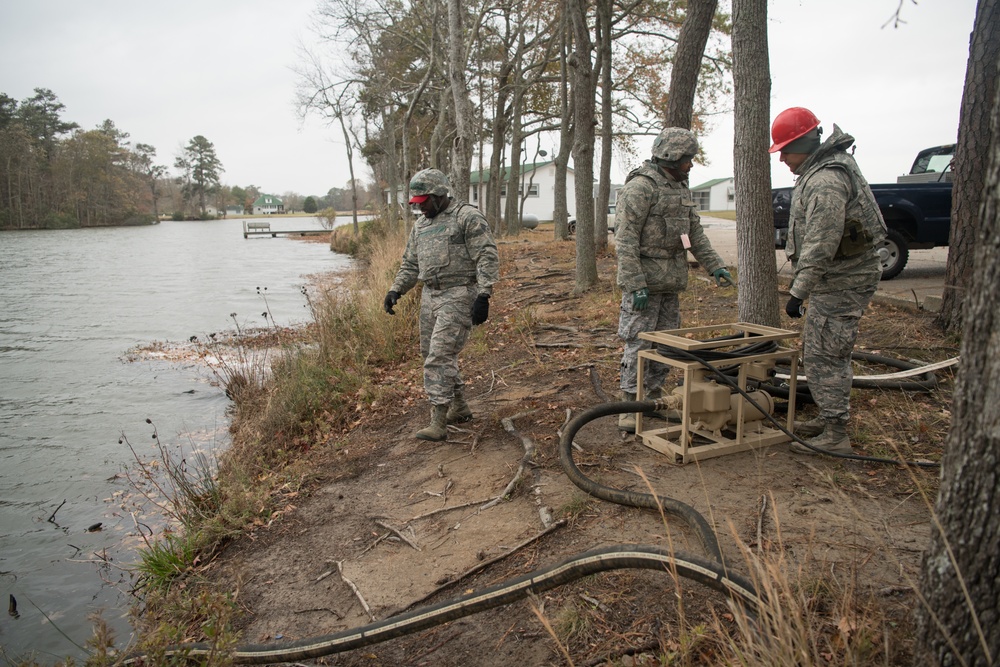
{"points": [[669, 216], [442, 255], [864, 227]]}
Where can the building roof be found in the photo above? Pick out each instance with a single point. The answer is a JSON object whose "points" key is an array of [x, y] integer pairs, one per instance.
{"points": [[484, 175], [268, 200], [710, 184]]}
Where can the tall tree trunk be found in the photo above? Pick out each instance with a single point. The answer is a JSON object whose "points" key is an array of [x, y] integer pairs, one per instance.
{"points": [[561, 215], [687, 62], [960, 623], [583, 145], [350, 169], [757, 300], [499, 149], [511, 208], [973, 141], [607, 124], [392, 168], [461, 153]]}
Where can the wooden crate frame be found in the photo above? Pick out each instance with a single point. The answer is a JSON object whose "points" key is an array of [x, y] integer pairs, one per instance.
{"points": [[677, 440]]}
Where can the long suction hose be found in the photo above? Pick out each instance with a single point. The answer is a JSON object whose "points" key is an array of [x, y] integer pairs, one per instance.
{"points": [[739, 589], [710, 572]]}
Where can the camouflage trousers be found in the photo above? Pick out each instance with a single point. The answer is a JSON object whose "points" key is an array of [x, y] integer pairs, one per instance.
{"points": [[445, 322], [828, 337], [663, 312]]}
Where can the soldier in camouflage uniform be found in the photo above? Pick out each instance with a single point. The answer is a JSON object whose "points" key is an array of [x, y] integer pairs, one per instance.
{"points": [[452, 253], [834, 229], [655, 225]]}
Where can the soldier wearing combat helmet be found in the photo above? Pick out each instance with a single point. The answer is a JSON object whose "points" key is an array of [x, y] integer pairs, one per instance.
{"points": [[834, 229], [655, 225], [450, 251]]}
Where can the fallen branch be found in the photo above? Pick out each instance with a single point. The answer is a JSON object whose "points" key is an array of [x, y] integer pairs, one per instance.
{"points": [[604, 345], [373, 544], [401, 536], [559, 431], [486, 563], [448, 509], [595, 382], [53, 515], [357, 593], [529, 453]]}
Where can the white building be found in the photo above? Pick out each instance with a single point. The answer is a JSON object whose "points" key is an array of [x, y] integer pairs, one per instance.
{"points": [[268, 205], [715, 195], [538, 180]]}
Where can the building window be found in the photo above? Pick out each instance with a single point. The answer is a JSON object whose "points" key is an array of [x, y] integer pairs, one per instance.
{"points": [[532, 191], [702, 200]]}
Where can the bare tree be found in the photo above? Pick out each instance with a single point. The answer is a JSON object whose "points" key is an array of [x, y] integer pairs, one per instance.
{"points": [[687, 61], [959, 623], [973, 140], [461, 159], [561, 158], [583, 145], [604, 27], [758, 300]]}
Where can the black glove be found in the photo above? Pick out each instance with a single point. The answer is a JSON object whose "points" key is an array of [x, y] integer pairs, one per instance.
{"points": [[480, 309], [390, 300], [794, 307]]}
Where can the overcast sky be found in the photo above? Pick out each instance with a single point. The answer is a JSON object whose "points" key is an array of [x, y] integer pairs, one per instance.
{"points": [[168, 71]]}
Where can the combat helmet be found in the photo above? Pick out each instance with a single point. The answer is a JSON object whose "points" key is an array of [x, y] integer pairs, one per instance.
{"points": [[426, 183], [673, 145]]}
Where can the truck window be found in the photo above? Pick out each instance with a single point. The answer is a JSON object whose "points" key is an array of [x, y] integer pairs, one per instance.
{"points": [[933, 160]]}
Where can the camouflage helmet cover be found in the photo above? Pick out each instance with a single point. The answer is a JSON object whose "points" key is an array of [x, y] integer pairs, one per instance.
{"points": [[425, 183], [675, 143]]}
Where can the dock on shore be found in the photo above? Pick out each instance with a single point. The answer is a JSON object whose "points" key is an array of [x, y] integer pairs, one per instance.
{"points": [[264, 229]]}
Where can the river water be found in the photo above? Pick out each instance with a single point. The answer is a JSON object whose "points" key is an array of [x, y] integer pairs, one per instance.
{"points": [[72, 304]]}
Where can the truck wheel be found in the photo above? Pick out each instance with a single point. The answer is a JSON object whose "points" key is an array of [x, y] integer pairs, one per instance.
{"points": [[893, 254]]}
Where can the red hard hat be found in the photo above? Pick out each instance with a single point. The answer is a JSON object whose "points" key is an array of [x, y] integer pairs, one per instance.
{"points": [[791, 124]]}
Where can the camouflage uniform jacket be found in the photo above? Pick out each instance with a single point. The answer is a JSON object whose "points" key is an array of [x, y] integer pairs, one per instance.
{"points": [[652, 211], [831, 198], [453, 248]]}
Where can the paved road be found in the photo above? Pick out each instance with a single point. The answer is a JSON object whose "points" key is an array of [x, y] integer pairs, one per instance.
{"points": [[919, 286]]}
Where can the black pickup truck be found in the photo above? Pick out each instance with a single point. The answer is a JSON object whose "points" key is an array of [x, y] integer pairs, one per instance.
{"points": [[917, 209]]}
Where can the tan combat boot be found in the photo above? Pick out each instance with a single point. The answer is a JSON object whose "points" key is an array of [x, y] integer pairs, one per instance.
{"points": [[809, 429], [459, 411], [833, 440], [626, 420], [438, 430]]}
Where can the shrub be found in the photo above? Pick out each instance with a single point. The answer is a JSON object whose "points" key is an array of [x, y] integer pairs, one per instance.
{"points": [[56, 220], [327, 217]]}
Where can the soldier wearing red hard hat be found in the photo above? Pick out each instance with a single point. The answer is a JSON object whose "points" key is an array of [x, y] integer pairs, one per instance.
{"points": [[834, 229], [451, 252]]}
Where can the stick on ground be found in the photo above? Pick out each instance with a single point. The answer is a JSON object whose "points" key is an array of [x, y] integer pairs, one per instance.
{"points": [[357, 593]]}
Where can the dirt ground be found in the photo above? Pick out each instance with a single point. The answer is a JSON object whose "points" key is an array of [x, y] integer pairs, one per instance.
{"points": [[396, 523]]}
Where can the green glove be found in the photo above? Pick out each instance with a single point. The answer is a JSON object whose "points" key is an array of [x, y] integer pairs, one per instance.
{"points": [[640, 299], [722, 278]]}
